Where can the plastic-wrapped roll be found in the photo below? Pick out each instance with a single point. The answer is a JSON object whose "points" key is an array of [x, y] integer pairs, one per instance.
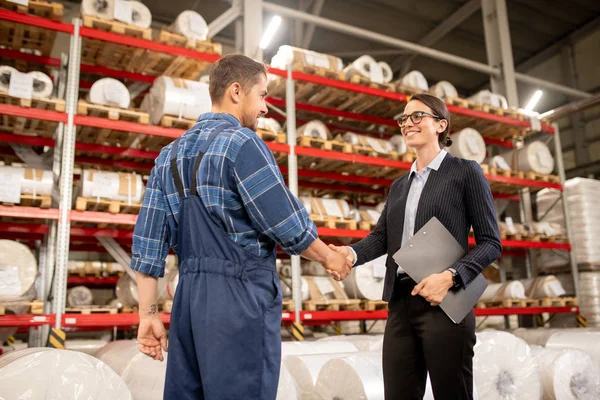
{"points": [[287, 55], [5, 73], [544, 286], [362, 342], [366, 281], [501, 291], [399, 143], [468, 144], [415, 79], [498, 162], [269, 124], [567, 374], [179, 97], [584, 341], [104, 9], [118, 186], [87, 346], [44, 373], [42, 84], [144, 376], [141, 15], [18, 270], [378, 145], [367, 67], [326, 207], [443, 89], [109, 92], [314, 129], [33, 181], [356, 377], [287, 388], [387, 72], [540, 336], [318, 347], [492, 99], [191, 25], [503, 368], [80, 296], [146, 104], [534, 157]]}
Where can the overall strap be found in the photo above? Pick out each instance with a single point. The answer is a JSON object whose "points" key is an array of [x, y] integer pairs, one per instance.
{"points": [[174, 171], [218, 129]]}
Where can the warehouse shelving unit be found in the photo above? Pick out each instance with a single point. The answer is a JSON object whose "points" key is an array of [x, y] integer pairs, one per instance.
{"points": [[80, 228]]}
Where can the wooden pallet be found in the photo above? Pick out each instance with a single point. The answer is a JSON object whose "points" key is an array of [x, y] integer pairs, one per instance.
{"points": [[554, 238], [509, 303], [503, 112], [370, 152], [359, 79], [42, 103], [372, 305], [29, 200], [319, 71], [30, 126], [169, 121], [288, 305], [175, 39], [119, 27], [559, 302], [409, 90], [333, 223], [541, 177], [113, 113], [269, 136], [506, 235], [493, 171], [331, 305], [35, 307], [18, 36], [321, 289], [366, 225], [111, 206], [91, 310]]}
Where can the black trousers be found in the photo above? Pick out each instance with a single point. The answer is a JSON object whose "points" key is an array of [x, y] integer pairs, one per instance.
{"points": [[420, 338]]}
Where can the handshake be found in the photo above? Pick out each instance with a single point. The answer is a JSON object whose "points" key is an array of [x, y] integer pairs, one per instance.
{"points": [[339, 261]]}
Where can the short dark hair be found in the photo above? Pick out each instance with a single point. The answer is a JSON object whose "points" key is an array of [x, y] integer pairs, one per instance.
{"points": [[233, 68], [439, 108]]}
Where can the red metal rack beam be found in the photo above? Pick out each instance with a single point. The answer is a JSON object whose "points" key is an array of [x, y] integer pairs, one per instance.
{"points": [[32, 20], [305, 173], [483, 312], [33, 113], [106, 320], [92, 280], [27, 320], [523, 182], [125, 126], [102, 217], [352, 158], [28, 212]]}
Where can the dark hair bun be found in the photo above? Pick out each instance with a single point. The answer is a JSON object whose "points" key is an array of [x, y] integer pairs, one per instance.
{"points": [[448, 142]]}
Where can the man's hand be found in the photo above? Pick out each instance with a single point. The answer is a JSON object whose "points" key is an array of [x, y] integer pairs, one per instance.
{"points": [[434, 288], [345, 251], [337, 265], [152, 337]]}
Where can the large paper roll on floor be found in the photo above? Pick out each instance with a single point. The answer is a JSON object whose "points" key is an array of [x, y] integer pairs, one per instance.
{"points": [[468, 144], [415, 79], [399, 143], [584, 341], [489, 98], [109, 92], [18, 270], [540, 336], [44, 373], [42, 84], [179, 97], [378, 145], [318, 347], [314, 129], [356, 377], [144, 376], [501, 291], [141, 15], [534, 157], [80, 296], [366, 66], [544, 286], [191, 25], [87, 346], [366, 281], [5, 72], [118, 186], [443, 89], [567, 374], [503, 368], [287, 388], [362, 342]]}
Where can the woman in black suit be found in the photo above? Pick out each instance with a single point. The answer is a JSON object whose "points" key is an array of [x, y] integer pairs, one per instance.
{"points": [[419, 337]]}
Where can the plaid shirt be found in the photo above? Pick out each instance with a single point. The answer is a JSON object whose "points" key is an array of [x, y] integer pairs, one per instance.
{"points": [[239, 183]]}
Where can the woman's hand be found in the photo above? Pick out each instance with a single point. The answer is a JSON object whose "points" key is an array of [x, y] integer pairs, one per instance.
{"points": [[435, 287]]}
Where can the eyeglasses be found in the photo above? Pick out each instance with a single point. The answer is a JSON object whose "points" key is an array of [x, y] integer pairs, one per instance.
{"points": [[415, 117]]}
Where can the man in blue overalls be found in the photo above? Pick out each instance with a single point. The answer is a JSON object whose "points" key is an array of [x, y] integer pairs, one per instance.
{"points": [[217, 197]]}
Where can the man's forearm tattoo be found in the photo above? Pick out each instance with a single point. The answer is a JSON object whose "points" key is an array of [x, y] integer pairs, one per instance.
{"points": [[153, 309]]}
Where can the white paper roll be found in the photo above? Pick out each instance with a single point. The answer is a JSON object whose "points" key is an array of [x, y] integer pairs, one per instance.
{"points": [[80, 296], [318, 347], [361, 342], [98, 8], [305, 371], [33, 181], [443, 89], [399, 143], [179, 97], [326, 207], [42, 84], [287, 388], [118, 186], [501, 291], [584, 341], [314, 129], [366, 281], [378, 145], [534, 157], [191, 25], [387, 72], [109, 92], [504, 368], [567, 374], [357, 377], [415, 79], [18, 270], [44, 373], [498, 162], [366, 66], [287, 55], [492, 99], [468, 144], [5, 73], [269, 124], [141, 15], [144, 376], [544, 286], [87, 346], [536, 336]]}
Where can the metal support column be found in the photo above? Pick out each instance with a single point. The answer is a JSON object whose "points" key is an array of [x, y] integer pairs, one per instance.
{"points": [[290, 100], [253, 28], [558, 155], [66, 177], [239, 36], [499, 49], [527, 218]]}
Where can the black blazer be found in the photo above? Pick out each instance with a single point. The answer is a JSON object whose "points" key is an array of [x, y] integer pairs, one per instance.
{"points": [[460, 197]]}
